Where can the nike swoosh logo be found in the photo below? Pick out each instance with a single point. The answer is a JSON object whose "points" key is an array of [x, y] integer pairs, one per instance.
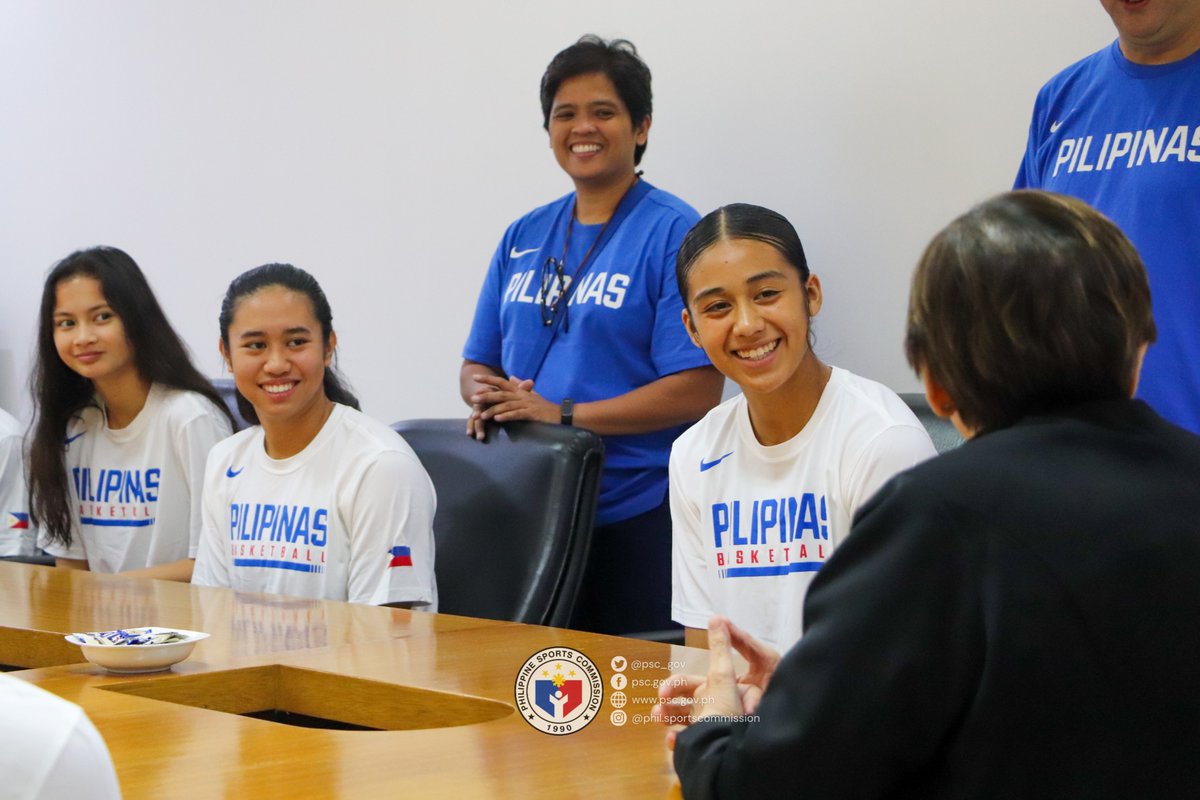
{"points": [[230, 473], [515, 253], [73, 438], [707, 465], [1054, 126]]}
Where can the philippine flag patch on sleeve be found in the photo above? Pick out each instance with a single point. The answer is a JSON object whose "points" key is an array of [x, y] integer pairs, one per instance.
{"points": [[401, 557]]}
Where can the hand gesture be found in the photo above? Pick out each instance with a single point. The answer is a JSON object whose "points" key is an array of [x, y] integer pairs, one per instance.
{"points": [[509, 399], [684, 699]]}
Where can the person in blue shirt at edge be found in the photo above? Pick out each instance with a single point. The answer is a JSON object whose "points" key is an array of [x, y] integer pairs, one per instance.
{"points": [[578, 323], [1121, 130]]}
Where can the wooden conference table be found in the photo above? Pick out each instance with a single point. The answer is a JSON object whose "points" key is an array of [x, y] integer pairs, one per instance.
{"points": [[441, 686]]}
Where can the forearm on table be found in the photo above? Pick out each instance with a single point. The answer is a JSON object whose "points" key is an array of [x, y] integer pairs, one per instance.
{"points": [[180, 570], [671, 400], [466, 378]]}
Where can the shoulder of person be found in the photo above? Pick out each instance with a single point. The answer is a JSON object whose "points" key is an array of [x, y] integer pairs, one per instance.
{"points": [[540, 217], [719, 421], [181, 406], [233, 447], [377, 451], [11, 435], [22, 699], [368, 436], [1084, 68], [952, 482], [89, 419], [672, 207], [875, 406]]}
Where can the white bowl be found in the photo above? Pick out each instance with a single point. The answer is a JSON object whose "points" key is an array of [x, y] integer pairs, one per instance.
{"points": [[127, 659]]}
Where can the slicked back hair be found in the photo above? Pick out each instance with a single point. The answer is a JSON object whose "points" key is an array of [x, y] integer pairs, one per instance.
{"points": [[297, 280]]}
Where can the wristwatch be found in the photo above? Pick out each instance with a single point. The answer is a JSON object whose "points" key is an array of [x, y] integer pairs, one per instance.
{"points": [[568, 411]]}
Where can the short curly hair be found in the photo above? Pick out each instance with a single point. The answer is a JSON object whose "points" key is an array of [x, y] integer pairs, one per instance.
{"points": [[618, 60]]}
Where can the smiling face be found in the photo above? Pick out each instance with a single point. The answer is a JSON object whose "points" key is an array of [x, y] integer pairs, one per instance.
{"points": [[591, 132], [88, 334], [1156, 31], [278, 357], [749, 310]]}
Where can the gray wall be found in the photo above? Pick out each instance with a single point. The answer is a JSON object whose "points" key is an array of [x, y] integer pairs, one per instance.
{"points": [[384, 146]]}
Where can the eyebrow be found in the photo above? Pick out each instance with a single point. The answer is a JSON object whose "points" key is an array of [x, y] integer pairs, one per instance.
{"points": [[288, 332], [755, 278], [590, 104], [58, 312]]}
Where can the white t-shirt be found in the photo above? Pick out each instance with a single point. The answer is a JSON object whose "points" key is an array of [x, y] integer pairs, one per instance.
{"points": [[17, 535], [752, 524], [349, 517], [49, 749], [137, 489]]}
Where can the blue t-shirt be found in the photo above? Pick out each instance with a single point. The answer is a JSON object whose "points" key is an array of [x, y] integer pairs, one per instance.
{"points": [[624, 326], [1125, 138]]}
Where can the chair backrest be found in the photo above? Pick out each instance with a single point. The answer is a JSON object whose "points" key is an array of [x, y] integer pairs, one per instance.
{"points": [[228, 391], [514, 515], [942, 431]]}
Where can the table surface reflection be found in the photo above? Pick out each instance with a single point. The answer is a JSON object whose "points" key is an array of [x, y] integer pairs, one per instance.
{"points": [[169, 750]]}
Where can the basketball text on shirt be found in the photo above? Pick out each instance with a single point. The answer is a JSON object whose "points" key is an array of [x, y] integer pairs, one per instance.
{"points": [[272, 522], [278, 536], [771, 536], [116, 496]]}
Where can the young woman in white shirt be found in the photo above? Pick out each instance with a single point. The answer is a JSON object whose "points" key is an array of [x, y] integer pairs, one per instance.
{"points": [[316, 499], [123, 423], [765, 486]]}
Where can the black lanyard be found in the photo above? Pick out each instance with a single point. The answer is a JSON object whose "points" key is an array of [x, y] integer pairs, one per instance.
{"points": [[536, 354]]}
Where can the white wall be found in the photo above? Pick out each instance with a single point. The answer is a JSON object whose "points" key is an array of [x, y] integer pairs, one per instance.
{"points": [[384, 146]]}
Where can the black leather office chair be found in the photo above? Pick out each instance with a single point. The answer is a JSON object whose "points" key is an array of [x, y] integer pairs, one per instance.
{"points": [[942, 431], [228, 391], [514, 515]]}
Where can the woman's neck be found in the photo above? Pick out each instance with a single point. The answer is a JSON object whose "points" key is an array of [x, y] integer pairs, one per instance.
{"points": [[285, 438], [780, 415], [124, 397], [597, 204]]}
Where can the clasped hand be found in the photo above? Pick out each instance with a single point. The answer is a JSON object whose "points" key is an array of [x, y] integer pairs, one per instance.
{"points": [[505, 400], [684, 699]]}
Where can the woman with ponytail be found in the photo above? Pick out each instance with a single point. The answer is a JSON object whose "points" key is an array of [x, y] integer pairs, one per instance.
{"points": [[315, 499]]}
